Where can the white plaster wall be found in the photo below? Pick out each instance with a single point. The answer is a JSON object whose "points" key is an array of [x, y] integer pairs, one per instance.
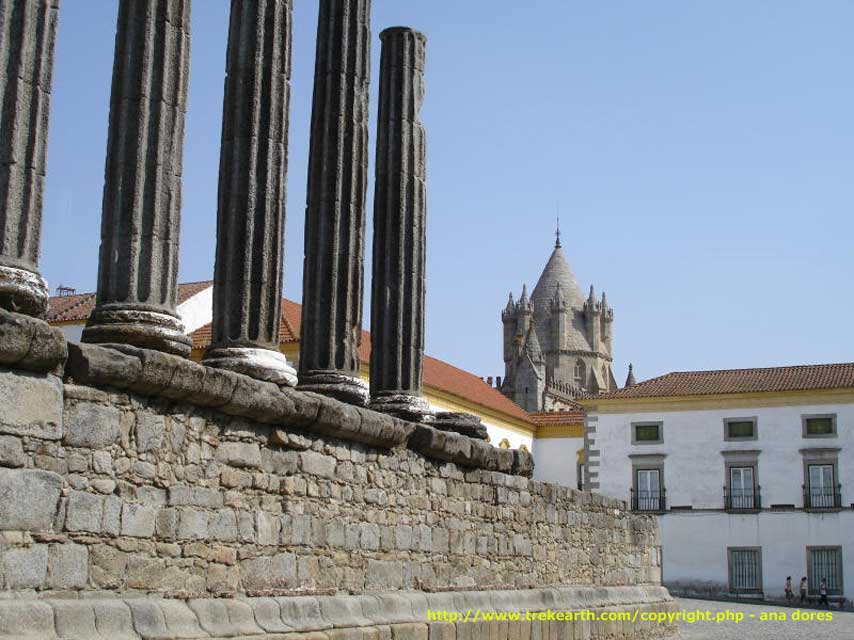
{"points": [[555, 460], [73, 332], [695, 542], [694, 471], [694, 545], [197, 311]]}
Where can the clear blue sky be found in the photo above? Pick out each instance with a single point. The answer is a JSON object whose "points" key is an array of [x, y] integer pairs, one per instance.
{"points": [[702, 155]]}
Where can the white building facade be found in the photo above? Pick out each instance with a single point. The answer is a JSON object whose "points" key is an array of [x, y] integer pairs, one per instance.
{"points": [[750, 471]]}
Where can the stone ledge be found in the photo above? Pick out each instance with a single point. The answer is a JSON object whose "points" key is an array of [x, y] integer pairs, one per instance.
{"points": [[30, 344], [152, 373], [269, 618]]}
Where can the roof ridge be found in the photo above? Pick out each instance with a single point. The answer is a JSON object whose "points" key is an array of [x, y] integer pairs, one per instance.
{"points": [[785, 366]]}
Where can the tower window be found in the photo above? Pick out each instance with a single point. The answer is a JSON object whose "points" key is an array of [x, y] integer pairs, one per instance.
{"points": [[579, 372]]}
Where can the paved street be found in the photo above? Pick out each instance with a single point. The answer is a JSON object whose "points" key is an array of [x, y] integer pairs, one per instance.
{"points": [[840, 628]]}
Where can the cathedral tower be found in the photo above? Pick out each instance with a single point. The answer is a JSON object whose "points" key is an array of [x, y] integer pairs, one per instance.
{"points": [[557, 344]]}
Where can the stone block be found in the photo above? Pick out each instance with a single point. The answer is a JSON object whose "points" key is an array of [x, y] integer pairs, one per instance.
{"points": [[30, 343], [108, 567], [145, 573], [75, 620], [138, 520], [85, 512], [185, 495], [149, 432], [403, 537], [114, 620], [28, 499], [68, 566], [31, 405], [240, 454], [93, 426], [192, 524], [268, 615], [26, 619], [11, 452], [269, 573], [180, 620], [222, 580], [343, 611], [225, 618], [222, 526], [442, 631], [26, 568], [385, 575], [369, 536], [334, 534], [282, 463], [166, 523], [317, 464], [303, 613], [112, 519], [266, 528], [410, 631], [148, 618]]}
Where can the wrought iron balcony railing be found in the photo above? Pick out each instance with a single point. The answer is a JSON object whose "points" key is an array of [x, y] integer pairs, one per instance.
{"points": [[822, 497], [651, 501], [742, 499]]}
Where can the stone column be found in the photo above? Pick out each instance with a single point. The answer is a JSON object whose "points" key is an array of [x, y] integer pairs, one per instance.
{"points": [[333, 271], [140, 225], [27, 44], [400, 216], [247, 295]]}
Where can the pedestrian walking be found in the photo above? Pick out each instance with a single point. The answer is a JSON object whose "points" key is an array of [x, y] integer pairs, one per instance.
{"points": [[789, 594], [822, 592], [803, 589]]}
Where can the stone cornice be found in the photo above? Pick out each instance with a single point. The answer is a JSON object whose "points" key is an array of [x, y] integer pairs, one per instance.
{"points": [[153, 373]]}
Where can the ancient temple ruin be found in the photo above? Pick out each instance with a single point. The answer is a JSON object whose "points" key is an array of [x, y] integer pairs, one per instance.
{"points": [[143, 495]]}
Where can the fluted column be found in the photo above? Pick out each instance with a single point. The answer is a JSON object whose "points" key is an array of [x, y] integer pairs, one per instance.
{"points": [[400, 216], [140, 225], [333, 272], [247, 294], [27, 45]]}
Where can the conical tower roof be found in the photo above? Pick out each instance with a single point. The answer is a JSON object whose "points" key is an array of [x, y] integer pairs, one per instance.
{"points": [[630, 379], [557, 271]]}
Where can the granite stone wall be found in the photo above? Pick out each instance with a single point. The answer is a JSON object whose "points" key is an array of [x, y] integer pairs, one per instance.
{"points": [[128, 474]]}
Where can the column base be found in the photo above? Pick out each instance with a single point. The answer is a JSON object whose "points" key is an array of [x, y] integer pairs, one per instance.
{"points": [[258, 363], [336, 385], [23, 292], [139, 328], [403, 406], [463, 423]]}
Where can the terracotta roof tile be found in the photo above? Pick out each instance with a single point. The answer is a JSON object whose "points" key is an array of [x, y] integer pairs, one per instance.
{"points": [[77, 307], [543, 418], [692, 383]]}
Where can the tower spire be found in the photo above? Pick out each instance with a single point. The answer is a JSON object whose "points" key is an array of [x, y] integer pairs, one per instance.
{"points": [[557, 230], [630, 379]]}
